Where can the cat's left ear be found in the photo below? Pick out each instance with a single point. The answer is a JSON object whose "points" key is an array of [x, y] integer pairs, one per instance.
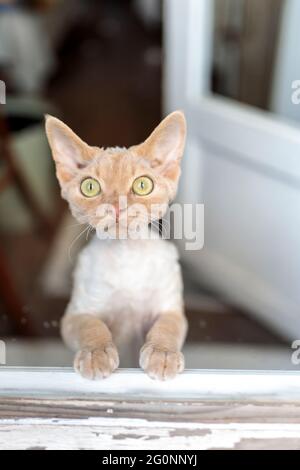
{"points": [[164, 148]]}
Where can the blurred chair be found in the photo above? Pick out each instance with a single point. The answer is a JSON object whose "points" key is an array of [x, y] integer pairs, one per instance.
{"points": [[12, 176]]}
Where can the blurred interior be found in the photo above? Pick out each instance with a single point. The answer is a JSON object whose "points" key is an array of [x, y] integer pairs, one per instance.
{"points": [[98, 66]]}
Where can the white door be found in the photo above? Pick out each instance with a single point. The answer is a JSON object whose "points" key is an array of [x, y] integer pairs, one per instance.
{"points": [[244, 165]]}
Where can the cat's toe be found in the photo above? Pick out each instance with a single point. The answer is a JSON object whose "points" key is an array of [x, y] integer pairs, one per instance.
{"points": [[96, 364], [159, 363]]}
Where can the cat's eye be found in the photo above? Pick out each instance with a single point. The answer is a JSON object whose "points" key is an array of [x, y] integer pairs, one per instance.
{"points": [[90, 187], [142, 186]]}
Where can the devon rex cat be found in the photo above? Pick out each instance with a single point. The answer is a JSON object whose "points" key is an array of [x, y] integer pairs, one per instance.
{"points": [[124, 286]]}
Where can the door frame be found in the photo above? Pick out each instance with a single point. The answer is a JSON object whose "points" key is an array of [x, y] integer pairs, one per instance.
{"points": [[55, 408], [266, 145], [186, 25]]}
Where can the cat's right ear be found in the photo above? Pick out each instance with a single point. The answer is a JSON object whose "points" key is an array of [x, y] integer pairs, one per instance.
{"points": [[69, 152]]}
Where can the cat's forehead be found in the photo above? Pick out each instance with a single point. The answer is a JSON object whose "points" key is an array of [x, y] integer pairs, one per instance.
{"points": [[117, 161]]}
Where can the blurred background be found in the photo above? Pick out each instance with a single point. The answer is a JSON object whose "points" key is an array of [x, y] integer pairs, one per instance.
{"points": [[111, 69]]}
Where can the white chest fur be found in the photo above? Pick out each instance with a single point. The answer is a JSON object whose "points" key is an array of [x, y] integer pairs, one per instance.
{"points": [[129, 277]]}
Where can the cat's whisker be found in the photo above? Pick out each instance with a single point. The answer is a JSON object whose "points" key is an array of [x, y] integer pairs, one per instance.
{"points": [[74, 241], [165, 223], [160, 230], [166, 227], [90, 229], [77, 224], [162, 227], [153, 224]]}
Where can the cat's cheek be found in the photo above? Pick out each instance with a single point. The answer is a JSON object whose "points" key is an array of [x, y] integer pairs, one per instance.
{"points": [[77, 214], [83, 205]]}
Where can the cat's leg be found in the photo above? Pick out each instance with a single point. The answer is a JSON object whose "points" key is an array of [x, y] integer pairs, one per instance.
{"points": [[161, 356], [97, 356]]}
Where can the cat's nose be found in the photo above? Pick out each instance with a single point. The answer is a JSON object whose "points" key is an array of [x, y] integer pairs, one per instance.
{"points": [[117, 211]]}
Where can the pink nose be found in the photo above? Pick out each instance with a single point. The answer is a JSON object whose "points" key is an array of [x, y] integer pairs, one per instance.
{"points": [[117, 210]]}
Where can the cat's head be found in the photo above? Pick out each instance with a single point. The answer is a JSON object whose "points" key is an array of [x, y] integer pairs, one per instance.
{"points": [[117, 188]]}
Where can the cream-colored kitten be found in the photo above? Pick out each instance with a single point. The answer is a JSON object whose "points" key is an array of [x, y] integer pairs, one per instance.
{"points": [[128, 285]]}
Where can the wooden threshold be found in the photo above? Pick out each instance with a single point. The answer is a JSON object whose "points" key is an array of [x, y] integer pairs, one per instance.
{"points": [[53, 408]]}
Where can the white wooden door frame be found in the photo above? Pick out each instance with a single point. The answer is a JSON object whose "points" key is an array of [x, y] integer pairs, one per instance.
{"points": [[54, 408], [245, 140], [192, 384]]}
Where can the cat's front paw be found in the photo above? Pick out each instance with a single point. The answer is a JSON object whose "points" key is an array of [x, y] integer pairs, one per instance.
{"points": [[98, 363], [159, 363]]}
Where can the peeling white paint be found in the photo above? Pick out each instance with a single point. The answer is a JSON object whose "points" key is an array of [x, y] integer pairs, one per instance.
{"points": [[113, 433], [144, 423], [257, 393]]}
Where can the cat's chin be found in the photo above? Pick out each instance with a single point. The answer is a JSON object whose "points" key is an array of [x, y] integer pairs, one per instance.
{"points": [[119, 232]]}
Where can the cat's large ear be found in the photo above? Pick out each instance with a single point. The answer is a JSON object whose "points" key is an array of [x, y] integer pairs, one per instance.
{"points": [[164, 148], [69, 152]]}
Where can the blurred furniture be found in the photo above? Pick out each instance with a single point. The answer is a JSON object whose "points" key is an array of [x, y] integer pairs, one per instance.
{"points": [[25, 48], [12, 176], [32, 161]]}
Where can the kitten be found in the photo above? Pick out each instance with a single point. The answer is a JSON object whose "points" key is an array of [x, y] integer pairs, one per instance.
{"points": [[124, 286]]}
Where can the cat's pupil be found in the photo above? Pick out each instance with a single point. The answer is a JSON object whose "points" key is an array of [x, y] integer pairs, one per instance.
{"points": [[142, 185], [91, 186]]}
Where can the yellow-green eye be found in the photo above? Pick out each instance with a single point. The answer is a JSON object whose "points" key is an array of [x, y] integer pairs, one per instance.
{"points": [[142, 186], [90, 187]]}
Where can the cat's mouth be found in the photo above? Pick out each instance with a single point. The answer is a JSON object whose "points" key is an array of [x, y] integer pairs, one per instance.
{"points": [[121, 227]]}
